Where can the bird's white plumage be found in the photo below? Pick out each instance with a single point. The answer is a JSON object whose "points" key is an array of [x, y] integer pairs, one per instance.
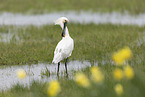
{"points": [[60, 20], [65, 47]]}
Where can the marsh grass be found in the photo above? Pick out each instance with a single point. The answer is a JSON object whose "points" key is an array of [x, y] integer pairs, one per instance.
{"points": [[132, 88], [92, 42], [45, 6]]}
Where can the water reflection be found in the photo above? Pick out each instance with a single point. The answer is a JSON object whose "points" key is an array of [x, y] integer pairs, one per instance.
{"points": [[8, 37], [82, 17], [37, 72]]}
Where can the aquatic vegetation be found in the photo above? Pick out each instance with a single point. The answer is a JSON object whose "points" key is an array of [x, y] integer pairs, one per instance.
{"points": [[87, 83], [37, 47], [120, 74], [45, 6]]}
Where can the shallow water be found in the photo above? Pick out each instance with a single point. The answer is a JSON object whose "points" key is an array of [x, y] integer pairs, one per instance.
{"points": [[75, 17], [140, 41], [7, 37], [8, 76]]}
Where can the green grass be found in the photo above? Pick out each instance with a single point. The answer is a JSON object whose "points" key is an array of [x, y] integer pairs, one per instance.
{"points": [[92, 42], [46, 6], [132, 88]]}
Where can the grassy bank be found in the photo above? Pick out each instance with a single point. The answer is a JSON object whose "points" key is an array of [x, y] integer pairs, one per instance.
{"points": [[43, 6], [92, 42]]}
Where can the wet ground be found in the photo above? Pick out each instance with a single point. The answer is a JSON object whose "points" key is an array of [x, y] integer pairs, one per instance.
{"points": [[75, 17], [37, 72]]}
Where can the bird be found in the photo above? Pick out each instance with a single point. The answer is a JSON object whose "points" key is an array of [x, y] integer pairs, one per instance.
{"points": [[65, 46]]}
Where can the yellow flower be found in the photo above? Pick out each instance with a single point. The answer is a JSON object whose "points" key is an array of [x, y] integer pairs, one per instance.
{"points": [[126, 52], [54, 88], [122, 55], [82, 80], [21, 74], [118, 74], [128, 72], [118, 58], [97, 75], [118, 89]]}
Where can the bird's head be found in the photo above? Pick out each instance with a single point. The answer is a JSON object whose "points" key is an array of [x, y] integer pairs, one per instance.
{"points": [[60, 21]]}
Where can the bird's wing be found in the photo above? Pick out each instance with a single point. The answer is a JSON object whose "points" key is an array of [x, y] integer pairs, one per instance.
{"points": [[67, 47], [57, 52], [63, 49]]}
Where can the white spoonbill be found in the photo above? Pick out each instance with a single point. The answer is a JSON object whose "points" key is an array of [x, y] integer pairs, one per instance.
{"points": [[65, 46]]}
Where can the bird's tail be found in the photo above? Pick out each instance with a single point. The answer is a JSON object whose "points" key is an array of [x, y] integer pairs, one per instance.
{"points": [[57, 58]]}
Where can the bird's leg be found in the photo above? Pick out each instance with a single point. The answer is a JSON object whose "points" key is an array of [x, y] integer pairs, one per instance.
{"points": [[66, 65], [58, 68]]}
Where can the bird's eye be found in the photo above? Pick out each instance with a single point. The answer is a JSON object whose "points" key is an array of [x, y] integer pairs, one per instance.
{"points": [[65, 21]]}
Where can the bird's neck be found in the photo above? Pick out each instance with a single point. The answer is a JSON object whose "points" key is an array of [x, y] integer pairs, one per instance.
{"points": [[66, 30]]}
